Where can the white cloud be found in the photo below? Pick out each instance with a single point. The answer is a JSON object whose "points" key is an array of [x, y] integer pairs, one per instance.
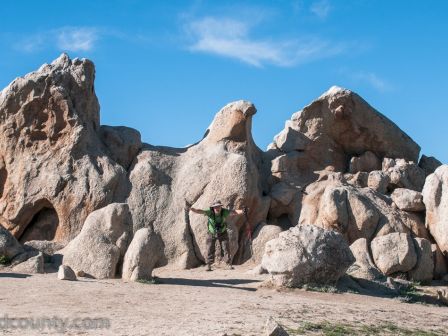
{"points": [[30, 44], [231, 38], [64, 39], [76, 38], [373, 80], [321, 8]]}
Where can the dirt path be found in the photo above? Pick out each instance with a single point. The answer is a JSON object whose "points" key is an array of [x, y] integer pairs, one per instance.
{"points": [[195, 302]]}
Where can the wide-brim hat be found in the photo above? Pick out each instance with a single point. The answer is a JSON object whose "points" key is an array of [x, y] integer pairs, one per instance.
{"points": [[216, 204]]}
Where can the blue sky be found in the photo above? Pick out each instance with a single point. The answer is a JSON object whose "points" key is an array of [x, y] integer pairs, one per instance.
{"points": [[166, 67]]}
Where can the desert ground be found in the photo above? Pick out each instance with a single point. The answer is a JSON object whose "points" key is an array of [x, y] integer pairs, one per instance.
{"points": [[196, 302]]}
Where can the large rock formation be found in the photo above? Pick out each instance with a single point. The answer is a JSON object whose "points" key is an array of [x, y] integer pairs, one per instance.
{"points": [[408, 200], [394, 252], [339, 164], [262, 234], [54, 168], [142, 255], [338, 126], [306, 254], [429, 164], [363, 267], [32, 264], [9, 246], [435, 198], [223, 166], [356, 212], [99, 248], [424, 268], [339, 132]]}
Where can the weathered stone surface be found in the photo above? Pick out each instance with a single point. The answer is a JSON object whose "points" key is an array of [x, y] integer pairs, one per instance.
{"points": [[408, 200], [290, 140], [429, 164], [58, 165], [9, 246], [358, 180], [440, 262], [360, 218], [66, 273], [306, 254], [363, 267], [283, 193], [272, 328], [33, 265], [54, 169], [46, 247], [415, 222], [286, 167], [404, 174], [394, 252], [353, 158], [286, 200], [356, 212], [224, 166], [378, 181], [339, 125], [436, 202], [424, 269], [102, 242], [124, 143], [263, 233], [142, 255], [366, 162], [442, 296]]}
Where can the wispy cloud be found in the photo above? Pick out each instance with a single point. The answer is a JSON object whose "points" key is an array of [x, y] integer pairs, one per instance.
{"points": [[63, 39], [232, 38], [31, 43], [77, 38], [373, 80], [321, 8]]}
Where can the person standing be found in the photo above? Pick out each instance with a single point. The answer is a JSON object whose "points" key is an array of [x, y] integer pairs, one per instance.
{"points": [[217, 230]]}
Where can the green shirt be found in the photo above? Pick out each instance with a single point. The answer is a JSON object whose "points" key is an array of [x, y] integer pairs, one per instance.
{"points": [[217, 222]]}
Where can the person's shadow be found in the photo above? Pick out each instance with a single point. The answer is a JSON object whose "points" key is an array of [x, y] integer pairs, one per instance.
{"points": [[14, 275], [218, 283]]}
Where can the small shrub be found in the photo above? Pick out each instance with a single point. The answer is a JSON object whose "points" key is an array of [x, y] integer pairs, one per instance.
{"points": [[321, 288], [4, 260], [153, 281], [338, 329]]}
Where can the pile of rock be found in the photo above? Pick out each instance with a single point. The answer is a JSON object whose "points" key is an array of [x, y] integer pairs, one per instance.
{"points": [[355, 172], [98, 200]]}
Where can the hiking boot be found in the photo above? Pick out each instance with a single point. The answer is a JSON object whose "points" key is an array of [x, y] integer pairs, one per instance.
{"points": [[209, 268]]}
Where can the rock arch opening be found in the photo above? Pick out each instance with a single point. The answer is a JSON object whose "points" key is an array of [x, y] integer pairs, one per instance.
{"points": [[43, 225]]}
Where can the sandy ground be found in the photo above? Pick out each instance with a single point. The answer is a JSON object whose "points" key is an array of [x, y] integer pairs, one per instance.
{"points": [[193, 302]]}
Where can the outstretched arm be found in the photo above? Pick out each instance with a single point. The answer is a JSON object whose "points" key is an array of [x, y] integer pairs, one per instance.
{"points": [[198, 211]]}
